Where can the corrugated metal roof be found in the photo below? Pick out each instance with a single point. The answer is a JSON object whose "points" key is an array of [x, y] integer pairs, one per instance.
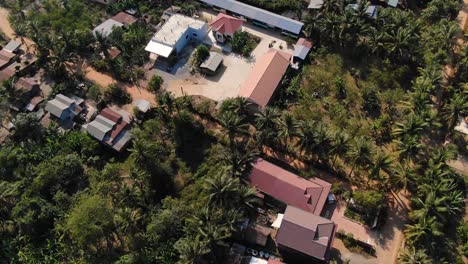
{"points": [[301, 52], [12, 46], [258, 14], [56, 107], [309, 195], [99, 127], [213, 61], [306, 233], [265, 77], [106, 27]]}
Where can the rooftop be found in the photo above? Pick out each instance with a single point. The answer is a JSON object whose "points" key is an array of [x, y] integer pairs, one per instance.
{"points": [[265, 77], [309, 195], [306, 233], [124, 18], [175, 27], [106, 28], [225, 24], [12, 46], [315, 4], [213, 61], [258, 14]]}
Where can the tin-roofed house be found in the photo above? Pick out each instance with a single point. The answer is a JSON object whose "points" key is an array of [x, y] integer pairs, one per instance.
{"points": [[63, 110], [301, 50], [110, 128], [29, 94], [212, 63]]}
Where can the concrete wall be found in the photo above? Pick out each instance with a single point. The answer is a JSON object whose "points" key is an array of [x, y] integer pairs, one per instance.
{"points": [[190, 34]]}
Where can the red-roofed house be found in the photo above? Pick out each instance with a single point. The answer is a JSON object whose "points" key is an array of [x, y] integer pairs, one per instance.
{"points": [[304, 237], [110, 128], [265, 77], [308, 195], [124, 18], [224, 27]]}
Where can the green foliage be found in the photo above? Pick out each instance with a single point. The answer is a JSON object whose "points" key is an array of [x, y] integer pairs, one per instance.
{"points": [[244, 43], [27, 127], [116, 94], [94, 92], [370, 201], [155, 83], [201, 54], [90, 221]]}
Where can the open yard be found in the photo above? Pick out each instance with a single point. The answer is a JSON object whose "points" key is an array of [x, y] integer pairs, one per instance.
{"points": [[229, 78]]}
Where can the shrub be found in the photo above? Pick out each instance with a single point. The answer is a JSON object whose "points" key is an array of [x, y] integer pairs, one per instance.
{"points": [[116, 94], [201, 53], [371, 201], [94, 92], [155, 83], [244, 43]]}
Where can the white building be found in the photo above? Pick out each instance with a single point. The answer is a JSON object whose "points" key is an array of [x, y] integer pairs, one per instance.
{"points": [[175, 34]]}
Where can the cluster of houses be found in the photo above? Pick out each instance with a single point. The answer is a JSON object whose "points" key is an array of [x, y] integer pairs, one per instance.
{"points": [[109, 126]]}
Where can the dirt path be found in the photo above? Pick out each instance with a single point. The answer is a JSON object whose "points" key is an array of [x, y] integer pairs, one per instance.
{"points": [[8, 30], [5, 24], [104, 80]]}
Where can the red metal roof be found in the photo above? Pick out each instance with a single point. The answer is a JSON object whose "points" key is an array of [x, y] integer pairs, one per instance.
{"points": [[124, 18], [309, 195], [6, 55], [6, 74], [111, 115], [304, 42], [306, 233], [225, 24], [265, 77]]}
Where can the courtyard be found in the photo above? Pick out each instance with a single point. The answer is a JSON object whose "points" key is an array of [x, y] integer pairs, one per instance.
{"points": [[229, 78]]}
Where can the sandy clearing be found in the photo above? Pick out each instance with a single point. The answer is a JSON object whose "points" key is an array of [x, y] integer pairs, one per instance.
{"points": [[8, 30], [5, 24]]}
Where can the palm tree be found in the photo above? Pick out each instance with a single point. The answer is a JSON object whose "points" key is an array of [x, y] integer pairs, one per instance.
{"points": [[232, 124], [456, 109], [409, 148], [360, 154], [21, 32], [413, 126], [401, 177], [432, 205], [222, 189], [340, 145], [288, 127], [410, 255], [240, 105], [266, 119], [425, 230], [323, 143], [382, 162], [103, 44], [191, 249]]}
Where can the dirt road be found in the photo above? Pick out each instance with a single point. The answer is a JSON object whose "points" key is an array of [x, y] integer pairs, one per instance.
{"points": [[6, 28]]}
